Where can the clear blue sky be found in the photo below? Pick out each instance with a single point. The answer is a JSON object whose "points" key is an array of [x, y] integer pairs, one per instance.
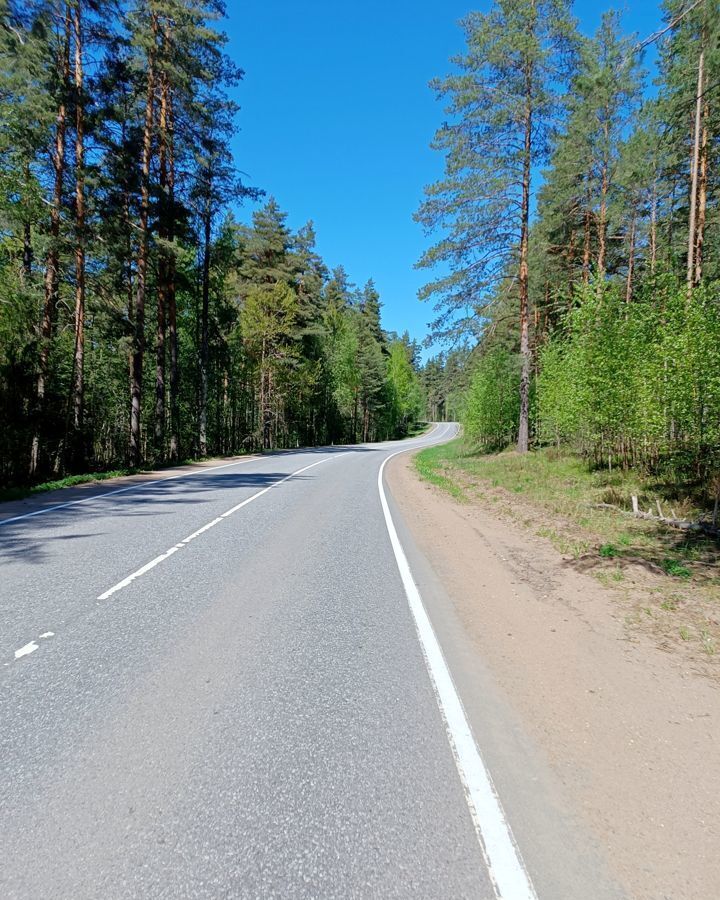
{"points": [[337, 117]]}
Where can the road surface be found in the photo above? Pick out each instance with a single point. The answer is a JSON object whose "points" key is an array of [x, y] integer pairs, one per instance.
{"points": [[222, 685]]}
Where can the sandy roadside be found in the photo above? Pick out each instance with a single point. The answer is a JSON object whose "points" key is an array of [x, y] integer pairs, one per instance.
{"points": [[631, 732]]}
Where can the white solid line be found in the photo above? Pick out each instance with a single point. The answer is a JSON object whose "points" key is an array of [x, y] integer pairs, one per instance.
{"points": [[179, 546], [502, 857], [132, 487], [26, 650]]}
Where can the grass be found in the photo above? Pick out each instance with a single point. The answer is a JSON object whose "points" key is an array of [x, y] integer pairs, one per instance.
{"points": [[19, 493], [430, 464], [584, 512]]}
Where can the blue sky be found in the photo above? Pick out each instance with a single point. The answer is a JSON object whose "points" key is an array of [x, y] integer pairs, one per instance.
{"points": [[337, 117]]}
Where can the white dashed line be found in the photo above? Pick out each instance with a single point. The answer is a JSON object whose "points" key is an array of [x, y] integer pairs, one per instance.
{"points": [[27, 650], [32, 646], [179, 546]]}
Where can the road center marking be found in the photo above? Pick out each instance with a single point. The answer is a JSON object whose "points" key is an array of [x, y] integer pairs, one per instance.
{"points": [[27, 649], [510, 879], [179, 546]]}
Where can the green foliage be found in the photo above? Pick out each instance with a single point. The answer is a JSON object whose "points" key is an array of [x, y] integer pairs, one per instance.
{"points": [[512, 70], [239, 338], [492, 408], [676, 569], [405, 398], [636, 383]]}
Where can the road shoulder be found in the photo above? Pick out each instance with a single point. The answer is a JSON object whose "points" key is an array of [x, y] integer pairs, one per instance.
{"points": [[615, 735]]}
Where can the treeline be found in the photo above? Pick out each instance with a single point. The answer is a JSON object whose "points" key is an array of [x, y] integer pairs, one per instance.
{"points": [[580, 249], [139, 322]]}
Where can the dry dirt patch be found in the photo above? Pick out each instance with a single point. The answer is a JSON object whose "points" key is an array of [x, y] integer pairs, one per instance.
{"points": [[680, 615], [631, 731]]}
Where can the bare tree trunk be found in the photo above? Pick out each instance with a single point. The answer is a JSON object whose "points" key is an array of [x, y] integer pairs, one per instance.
{"points": [[79, 358], [162, 276], [171, 298], [653, 228], [52, 262], [631, 258], [265, 398], [138, 352], [602, 218], [204, 325], [692, 222], [523, 281], [586, 247], [702, 194]]}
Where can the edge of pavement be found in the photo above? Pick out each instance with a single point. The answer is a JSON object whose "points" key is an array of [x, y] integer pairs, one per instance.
{"points": [[45, 501], [563, 859]]}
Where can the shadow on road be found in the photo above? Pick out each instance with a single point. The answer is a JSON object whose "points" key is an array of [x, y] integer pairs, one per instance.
{"points": [[30, 540]]}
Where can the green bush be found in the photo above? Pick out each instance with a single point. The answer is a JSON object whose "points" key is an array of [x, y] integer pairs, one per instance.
{"points": [[492, 408], [636, 383]]}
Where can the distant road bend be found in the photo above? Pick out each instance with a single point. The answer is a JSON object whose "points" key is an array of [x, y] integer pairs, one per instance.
{"points": [[226, 684]]}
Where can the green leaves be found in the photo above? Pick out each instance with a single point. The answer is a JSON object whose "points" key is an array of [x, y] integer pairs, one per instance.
{"points": [[636, 383], [492, 409], [514, 69]]}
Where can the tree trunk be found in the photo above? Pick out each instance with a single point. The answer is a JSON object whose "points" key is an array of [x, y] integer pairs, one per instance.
{"points": [[702, 194], [602, 218], [523, 280], [138, 351], [694, 167], [171, 297], [27, 258], [204, 326], [162, 289], [631, 258], [52, 262], [653, 228], [78, 389]]}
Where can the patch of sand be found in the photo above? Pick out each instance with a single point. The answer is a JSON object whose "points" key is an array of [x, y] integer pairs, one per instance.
{"points": [[631, 731]]}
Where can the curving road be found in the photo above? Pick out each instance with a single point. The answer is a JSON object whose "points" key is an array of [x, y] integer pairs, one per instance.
{"points": [[221, 684]]}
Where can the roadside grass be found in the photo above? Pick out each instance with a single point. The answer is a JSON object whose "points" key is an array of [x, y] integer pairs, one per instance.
{"points": [[589, 511], [669, 578], [432, 465], [19, 493]]}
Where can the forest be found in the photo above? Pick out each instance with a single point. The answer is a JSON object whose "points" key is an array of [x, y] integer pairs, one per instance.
{"points": [[140, 322], [577, 261]]}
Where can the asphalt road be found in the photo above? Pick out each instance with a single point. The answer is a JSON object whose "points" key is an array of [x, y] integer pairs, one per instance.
{"points": [[217, 685]]}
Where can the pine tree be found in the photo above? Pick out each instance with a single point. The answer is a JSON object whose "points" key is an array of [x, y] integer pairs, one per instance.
{"points": [[267, 251], [503, 104]]}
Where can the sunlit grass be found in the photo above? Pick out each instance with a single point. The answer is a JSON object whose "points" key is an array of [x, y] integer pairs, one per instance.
{"points": [[589, 511]]}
